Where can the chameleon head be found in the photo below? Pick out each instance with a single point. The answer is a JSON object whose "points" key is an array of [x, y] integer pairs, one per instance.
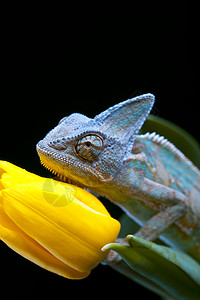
{"points": [[91, 151], [81, 156]]}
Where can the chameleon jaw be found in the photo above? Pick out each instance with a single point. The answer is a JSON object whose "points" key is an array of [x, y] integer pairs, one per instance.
{"points": [[61, 177]]}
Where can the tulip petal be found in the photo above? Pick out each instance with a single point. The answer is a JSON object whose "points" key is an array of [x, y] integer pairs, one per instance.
{"points": [[73, 240], [21, 243], [56, 225], [12, 174], [17, 173], [67, 193]]}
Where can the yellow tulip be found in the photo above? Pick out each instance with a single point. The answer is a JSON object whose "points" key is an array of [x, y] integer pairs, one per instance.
{"points": [[56, 225]]}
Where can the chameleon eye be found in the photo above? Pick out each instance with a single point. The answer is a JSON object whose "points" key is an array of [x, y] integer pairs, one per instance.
{"points": [[89, 147]]}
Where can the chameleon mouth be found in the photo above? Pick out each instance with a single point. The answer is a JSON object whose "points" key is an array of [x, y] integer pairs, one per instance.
{"points": [[50, 160], [57, 174]]}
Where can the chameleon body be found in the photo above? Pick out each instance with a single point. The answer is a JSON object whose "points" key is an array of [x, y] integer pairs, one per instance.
{"points": [[146, 175]]}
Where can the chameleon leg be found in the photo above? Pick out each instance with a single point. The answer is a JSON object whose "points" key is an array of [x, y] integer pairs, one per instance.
{"points": [[152, 229], [175, 204], [159, 193], [158, 223]]}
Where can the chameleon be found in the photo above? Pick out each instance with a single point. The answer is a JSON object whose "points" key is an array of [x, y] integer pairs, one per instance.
{"points": [[144, 174]]}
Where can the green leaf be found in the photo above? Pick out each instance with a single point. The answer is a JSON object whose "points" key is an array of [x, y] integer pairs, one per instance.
{"points": [[174, 271]]}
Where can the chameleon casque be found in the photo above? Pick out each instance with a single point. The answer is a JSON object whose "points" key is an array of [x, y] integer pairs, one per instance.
{"points": [[146, 175]]}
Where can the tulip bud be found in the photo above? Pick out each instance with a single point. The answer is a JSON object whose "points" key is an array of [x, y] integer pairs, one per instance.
{"points": [[56, 225]]}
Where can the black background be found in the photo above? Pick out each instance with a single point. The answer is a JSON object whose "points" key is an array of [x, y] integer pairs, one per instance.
{"points": [[59, 60]]}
